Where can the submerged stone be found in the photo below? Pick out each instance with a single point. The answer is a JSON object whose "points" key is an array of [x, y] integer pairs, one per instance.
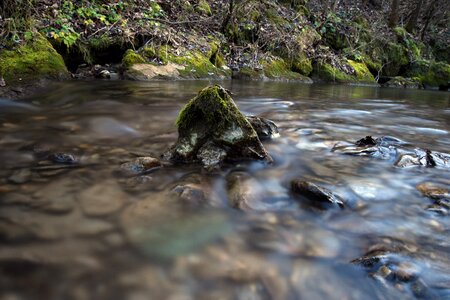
{"points": [[317, 195], [439, 194], [139, 165], [63, 158], [211, 129], [244, 192]]}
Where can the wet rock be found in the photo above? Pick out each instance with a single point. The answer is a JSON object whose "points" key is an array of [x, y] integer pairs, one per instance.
{"points": [[365, 148], [139, 166], [244, 192], [265, 128], [433, 191], [63, 158], [440, 196], [367, 141], [101, 72], [393, 270], [211, 129], [211, 155], [425, 158], [401, 82], [194, 189], [102, 199], [387, 147], [137, 183], [318, 196], [20, 176]]}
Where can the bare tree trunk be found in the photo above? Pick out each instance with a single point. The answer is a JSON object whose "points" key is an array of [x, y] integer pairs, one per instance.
{"points": [[428, 17], [412, 23], [228, 16], [393, 17]]}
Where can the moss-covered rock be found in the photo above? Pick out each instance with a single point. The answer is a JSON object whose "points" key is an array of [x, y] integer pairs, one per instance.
{"points": [[34, 60], [352, 72], [395, 57], [131, 57], [215, 57], [402, 82], [301, 64], [189, 63], [248, 73], [203, 7], [211, 129], [362, 73], [433, 74], [277, 68]]}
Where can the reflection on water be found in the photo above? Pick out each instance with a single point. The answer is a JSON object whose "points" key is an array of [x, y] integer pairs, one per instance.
{"points": [[85, 231]]}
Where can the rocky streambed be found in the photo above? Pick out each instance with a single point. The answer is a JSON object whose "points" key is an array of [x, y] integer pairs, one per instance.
{"points": [[288, 192]]}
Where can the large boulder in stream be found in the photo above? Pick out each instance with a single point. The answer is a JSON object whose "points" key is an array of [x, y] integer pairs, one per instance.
{"points": [[211, 129]]}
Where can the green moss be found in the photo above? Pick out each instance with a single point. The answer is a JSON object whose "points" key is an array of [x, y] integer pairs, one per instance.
{"points": [[301, 64], [277, 68], [203, 7], [213, 105], [249, 73], [196, 64], [327, 72], [395, 57], [373, 65], [130, 58], [32, 60], [215, 56], [430, 73], [362, 72], [100, 43], [400, 32]]}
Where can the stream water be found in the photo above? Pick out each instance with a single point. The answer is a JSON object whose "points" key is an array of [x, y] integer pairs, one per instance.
{"points": [[86, 231]]}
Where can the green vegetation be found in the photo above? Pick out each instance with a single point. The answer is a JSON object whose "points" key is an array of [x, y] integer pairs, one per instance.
{"points": [[430, 73], [130, 58], [277, 68], [279, 40], [345, 73], [33, 60], [301, 64], [362, 73]]}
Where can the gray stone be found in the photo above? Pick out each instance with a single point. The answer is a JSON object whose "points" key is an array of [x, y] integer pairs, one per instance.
{"points": [[317, 195], [211, 129]]}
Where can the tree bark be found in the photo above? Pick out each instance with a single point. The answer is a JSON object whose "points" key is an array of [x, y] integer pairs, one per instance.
{"points": [[412, 23], [428, 17], [393, 17], [228, 16]]}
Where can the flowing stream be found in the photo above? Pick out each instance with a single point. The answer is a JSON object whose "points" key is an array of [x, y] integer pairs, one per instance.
{"points": [[84, 230]]}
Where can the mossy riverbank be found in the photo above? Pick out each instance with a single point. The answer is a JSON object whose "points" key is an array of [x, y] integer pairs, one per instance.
{"points": [[258, 40]]}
